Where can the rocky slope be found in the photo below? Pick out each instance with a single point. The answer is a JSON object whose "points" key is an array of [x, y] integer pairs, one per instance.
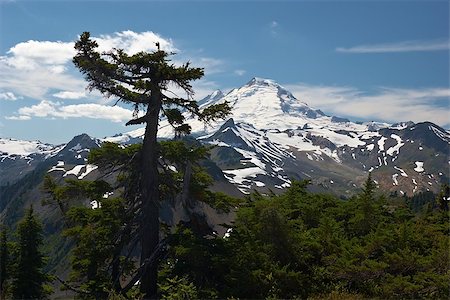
{"points": [[270, 139]]}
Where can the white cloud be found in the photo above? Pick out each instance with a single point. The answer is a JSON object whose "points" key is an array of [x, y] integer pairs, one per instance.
{"points": [[134, 42], [274, 25], [49, 109], [240, 72], [211, 65], [203, 88], [96, 111], [37, 82], [69, 95], [33, 68], [8, 96], [27, 55], [43, 109], [405, 46], [386, 104], [18, 118]]}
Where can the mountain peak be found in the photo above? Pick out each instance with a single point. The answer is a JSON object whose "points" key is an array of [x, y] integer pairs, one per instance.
{"points": [[211, 98], [217, 94], [82, 141], [269, 105], [262, 81]]}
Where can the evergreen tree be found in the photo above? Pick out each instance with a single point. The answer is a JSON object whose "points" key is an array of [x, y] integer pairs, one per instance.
{"points": [[4, 262], [297, 245], [443, 197], [366, 210], [106, 237], [142, 79], [29, 279]]}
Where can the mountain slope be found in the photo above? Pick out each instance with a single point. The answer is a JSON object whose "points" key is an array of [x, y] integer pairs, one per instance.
{"points": [[271, 130], [272, 138]]}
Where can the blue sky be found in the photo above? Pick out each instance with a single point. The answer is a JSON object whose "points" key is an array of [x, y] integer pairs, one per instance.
{"points": [[365, 60]]}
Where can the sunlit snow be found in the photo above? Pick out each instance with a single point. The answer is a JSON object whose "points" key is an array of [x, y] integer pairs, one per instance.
{"points": [[89, 169], [419, 166], [396, 148], [74, 171]]}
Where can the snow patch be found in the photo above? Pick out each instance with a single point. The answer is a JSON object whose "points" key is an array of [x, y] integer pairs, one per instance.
{"points": [[381, 144], [89, 169], [442, 135], [95, 204], [74, 171], [403, 173], [396, 148], [394, 178], [228, 233], [76, 147], [25, 148], [239, 176], [419, 166]]}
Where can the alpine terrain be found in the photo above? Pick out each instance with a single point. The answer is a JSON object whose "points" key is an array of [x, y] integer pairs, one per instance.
{"points": [[270, 139]]}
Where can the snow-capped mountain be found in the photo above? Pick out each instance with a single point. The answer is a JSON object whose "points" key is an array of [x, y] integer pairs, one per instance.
{"points": [[272, 137], [211, 98], [12, 148], [19, 158], [24, 165], [266, 104]]}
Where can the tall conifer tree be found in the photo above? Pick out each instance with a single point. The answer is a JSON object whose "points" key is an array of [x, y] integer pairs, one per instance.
{"points": [[4, 261], [29, 279], [142, 80]]}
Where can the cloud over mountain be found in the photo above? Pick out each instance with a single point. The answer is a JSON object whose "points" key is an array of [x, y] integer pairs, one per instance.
{"points": [[87, 110], [385, 104]]}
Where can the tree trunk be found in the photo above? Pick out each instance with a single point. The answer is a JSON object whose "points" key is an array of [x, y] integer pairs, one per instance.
{"points": [[150, 197], [185, 197]]}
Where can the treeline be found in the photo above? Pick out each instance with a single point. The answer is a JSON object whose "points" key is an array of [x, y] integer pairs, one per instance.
{"points": [[22, 261], [295, 245], [305, 245]]}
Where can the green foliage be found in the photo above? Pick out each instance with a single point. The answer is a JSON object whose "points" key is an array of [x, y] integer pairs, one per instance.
{"points": [[106, 237], [421, 201], [304, 245], [28, 280], [142, 80], [443, 197], [112, 155], [96, 232], [366, 210], [135, 79], [4, 262], [177, 289], [195, 263]]}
